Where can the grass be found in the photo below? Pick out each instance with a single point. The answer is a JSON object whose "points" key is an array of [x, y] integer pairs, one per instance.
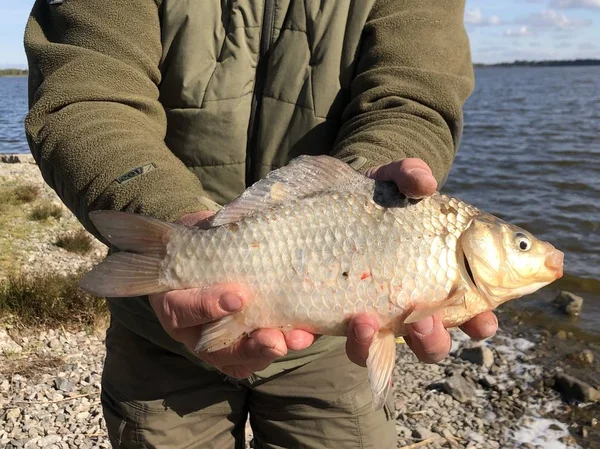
{"points": [[26, 193], [49, 300], [21, 194], [80, 242], [45, 210]]}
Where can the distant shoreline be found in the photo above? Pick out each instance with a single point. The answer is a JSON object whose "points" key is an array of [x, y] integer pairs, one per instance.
{"points": [[477, 65], [13, 72], [547, 63]]}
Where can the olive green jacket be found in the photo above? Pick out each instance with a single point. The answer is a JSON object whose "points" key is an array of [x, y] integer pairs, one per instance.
{"points": [[169, 107]]}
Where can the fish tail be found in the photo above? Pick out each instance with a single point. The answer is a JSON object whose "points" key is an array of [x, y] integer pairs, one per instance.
{"points": [[380, 364], [222, 333], [136, 270]]}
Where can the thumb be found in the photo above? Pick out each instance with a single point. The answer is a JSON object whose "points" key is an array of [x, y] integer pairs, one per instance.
{"points": [[413, 177], [180, 309]]}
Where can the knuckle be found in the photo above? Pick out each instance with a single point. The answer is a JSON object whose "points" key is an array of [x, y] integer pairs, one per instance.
{"points": [[202, 303]]}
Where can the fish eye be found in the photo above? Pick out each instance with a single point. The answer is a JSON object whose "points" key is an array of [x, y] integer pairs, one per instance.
{"points": [[522, 241]]}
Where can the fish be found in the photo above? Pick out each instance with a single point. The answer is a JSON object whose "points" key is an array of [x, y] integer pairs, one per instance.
{"points": [[317, 242]]}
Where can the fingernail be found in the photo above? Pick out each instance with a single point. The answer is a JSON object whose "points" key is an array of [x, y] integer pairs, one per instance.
{"points": [[418, 172], [423, 327], [363, 333], [230, 302]]}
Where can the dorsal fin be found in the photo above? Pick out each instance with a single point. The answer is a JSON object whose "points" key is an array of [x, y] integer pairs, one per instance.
{"points": [[303, 176]]}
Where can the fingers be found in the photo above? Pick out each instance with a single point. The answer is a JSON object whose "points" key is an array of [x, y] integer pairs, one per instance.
{"points": [[180, 309], [297, 340], [482, 326], [359, 337], [429, 339], [199, 219], [412, 176], [251, 354]]}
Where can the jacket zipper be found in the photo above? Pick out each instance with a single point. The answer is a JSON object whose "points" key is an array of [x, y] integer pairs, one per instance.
{"points": [[266, 36]]}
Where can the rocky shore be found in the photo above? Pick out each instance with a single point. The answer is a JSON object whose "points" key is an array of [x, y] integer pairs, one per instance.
{"points": [[526, 387]]}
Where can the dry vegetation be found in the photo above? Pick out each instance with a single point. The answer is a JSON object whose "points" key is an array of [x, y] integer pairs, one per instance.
{"points": [[80, 242], [41, 291], [45, 210], [49, 299]]}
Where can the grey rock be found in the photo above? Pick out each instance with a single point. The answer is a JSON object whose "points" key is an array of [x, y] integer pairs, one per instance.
{"points": [[54, 343], [480, 355], [421, 433], [568, 303], [586, 357], [63, 384], [13, 413], [488, 381], [49, 440], [572, 388], [561, 335], [458, 387], [7, 344]]}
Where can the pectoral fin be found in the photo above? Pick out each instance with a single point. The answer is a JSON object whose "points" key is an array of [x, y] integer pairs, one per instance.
{"points": [[380, 363], [422, 311]]}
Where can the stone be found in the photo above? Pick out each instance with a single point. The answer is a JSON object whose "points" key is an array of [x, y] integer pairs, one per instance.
{"points": [[63, 384], [586, 357], [459, 388], [561, 335], [54, 343], [421, 433], [49, 440], [479, 355], [488, 382], [568, 303], [572, 389], [13, 413], [7, 344]]}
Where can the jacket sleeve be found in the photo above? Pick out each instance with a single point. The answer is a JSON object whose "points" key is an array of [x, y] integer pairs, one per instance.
{"points": [[413, 75], [95, 125]]}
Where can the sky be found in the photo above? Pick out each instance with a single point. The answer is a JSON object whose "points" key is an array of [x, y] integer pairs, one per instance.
{"points": [[500, 31]]}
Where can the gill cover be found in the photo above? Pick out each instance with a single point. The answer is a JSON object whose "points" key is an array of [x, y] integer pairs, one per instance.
{"points": [[506, 261]]}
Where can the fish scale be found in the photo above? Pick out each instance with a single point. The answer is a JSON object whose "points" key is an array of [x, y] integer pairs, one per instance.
{"points": [[318, 243], [334, 248]]}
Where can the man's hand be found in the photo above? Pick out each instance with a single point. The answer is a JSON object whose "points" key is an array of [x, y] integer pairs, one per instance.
{"points": [[428, 338], [183, 312]]}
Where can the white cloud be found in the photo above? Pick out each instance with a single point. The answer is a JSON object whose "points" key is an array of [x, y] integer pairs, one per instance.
{"points": [[474, 17], [524, 31], [552, 19], [566, 4]]}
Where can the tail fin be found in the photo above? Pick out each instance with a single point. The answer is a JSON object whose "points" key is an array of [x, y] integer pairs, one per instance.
{"points": [[132, 232], [131, 273]]}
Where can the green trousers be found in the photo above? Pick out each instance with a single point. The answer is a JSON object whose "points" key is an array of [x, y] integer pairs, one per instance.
{"points": [[154, 398]]}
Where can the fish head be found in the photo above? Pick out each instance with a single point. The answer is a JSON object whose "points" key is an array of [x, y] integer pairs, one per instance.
{"points": [[506, 262]]}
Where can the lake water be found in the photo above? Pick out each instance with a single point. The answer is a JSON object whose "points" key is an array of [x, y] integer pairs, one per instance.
{"points": [[530, 153]]}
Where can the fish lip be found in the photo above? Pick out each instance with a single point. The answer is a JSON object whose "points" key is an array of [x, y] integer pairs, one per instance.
{"points": [[555, 263]]}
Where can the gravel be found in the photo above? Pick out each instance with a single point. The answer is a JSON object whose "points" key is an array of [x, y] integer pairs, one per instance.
{"points": [[50, 397]]}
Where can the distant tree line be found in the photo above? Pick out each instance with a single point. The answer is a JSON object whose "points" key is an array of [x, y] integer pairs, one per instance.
{"points": [[549, 63], [13, 72]]}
